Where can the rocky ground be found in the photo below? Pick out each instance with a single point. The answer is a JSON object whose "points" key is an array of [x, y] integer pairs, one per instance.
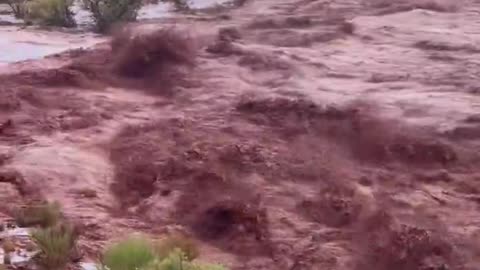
{"points": [[306, 134]]}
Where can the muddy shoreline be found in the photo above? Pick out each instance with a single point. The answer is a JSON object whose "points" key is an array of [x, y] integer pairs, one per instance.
{"points": [[32, 42], [302, 135]]}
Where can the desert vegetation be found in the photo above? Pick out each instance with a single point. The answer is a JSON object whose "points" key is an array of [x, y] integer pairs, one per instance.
{"points": [[56, 244], [43, 12], [53, 238], [105, 13], [171, 253], [51, 12]]}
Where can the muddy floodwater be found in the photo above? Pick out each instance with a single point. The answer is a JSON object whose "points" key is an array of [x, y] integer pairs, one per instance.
{"points": [[278, 135]]}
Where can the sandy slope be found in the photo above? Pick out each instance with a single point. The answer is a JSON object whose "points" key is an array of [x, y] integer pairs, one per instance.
{"points": [[292, 144]]}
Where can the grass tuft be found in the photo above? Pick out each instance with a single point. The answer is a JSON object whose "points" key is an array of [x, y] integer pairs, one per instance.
{"points": [[55, 244], [177, 260], [132, 253], [165, 246], [137, 253]]}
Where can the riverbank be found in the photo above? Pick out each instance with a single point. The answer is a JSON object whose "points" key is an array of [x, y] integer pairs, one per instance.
{"points": [[20, 42]]}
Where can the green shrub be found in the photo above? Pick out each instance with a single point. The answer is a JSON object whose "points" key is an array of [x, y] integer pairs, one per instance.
{"points": [[139, 254], [132, 253], [47, 12], [55, 244], [164, 247], [44, 215], [177, 260], [51, 12], [106, 13]]}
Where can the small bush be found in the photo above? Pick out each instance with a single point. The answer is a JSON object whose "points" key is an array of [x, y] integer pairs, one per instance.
{"points": [[51, 12], [165, 246], [138, 253], [177, 260], [132, 253], [106, 13], [55, 244], [44, 215]]}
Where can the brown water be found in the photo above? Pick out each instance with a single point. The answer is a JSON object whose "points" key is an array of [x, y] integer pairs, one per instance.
{"points": [[297, 142]]}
